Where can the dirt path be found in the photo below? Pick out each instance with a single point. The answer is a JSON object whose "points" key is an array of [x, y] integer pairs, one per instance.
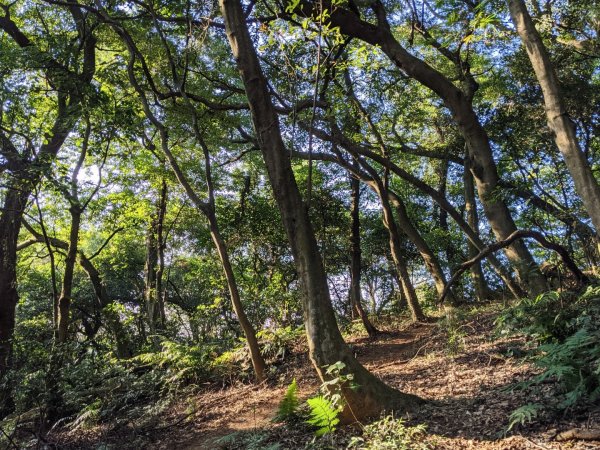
{"points": [[469, 387]]}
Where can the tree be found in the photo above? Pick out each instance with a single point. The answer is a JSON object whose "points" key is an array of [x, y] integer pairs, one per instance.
{"points": [[72, 87], [325, 342], [563, 128]]}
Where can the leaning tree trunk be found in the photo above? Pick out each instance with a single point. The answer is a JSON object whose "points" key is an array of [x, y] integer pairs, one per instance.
{"points": [[399, 262], [325, 342], [431, 261], [479, 283], [356, 260], [559, 122], [258, 361], [471, 234]]}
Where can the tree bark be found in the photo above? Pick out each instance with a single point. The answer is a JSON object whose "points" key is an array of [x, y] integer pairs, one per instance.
{"points": [[257, 360], [155, 263], [559, 122], [356, 259], [587, 236], [520, 234], [124, 348], [160, 249], [473, 235], [398, 258], [325, 342], [207, 209], [64, 301], [479, 283]]}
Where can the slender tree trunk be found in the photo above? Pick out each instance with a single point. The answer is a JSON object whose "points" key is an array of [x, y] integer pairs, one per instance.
{"points": [[325, 342], [356, 260], [64, 301], [559, 122], [449, 248], [150, 269], [431, 261], [160, 250], [399, 262], [471, 234], [124, 347], [257, 360], [479, 283], [155, 263]]}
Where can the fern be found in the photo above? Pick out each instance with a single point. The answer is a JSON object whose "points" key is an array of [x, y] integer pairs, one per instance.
{"points": [[524, 414], [323, 415], [567, 330], [288, 407]]}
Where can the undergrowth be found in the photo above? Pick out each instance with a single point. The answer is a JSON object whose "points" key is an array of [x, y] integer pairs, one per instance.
{"points": [[566, 332]]}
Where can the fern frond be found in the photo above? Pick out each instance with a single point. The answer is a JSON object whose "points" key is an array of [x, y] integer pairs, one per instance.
{"points": [[323, 415], [288, 407]]}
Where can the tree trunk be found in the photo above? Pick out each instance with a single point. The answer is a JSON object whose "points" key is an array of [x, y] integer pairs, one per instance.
{"points": [[587, 236], [258, 361], [124, 347], [150, 269], [559, 122], [450, 250], [356, 260], [431, 261], [10, 223], [155, 263], [479, 283], [325, 342], [64, 301], [160, 250], [399, 262]]}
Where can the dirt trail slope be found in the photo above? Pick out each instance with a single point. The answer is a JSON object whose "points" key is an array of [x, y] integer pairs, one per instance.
{"points": [[466, 375]]}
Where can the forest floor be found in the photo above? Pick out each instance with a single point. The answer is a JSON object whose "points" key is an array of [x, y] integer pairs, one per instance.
{"points": [[468, 376]]}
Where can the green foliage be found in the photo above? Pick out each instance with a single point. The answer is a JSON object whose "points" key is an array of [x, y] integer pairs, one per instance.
{"points": [[567, 330], [326, 408], [288, 407], [524, 414], [180, 362], [390, 434], [255, 440], [324, 414], [278, 342], [453, 325]]}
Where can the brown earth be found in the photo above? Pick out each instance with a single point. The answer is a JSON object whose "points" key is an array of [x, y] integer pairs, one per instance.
{"points": [[466, 375]]}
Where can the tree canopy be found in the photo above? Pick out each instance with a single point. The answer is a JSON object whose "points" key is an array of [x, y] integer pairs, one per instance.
{"points": [[177, 178]]}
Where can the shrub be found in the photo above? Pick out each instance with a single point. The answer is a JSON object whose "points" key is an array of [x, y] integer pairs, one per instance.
{"points": [[566, 329], [390, 433]]}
